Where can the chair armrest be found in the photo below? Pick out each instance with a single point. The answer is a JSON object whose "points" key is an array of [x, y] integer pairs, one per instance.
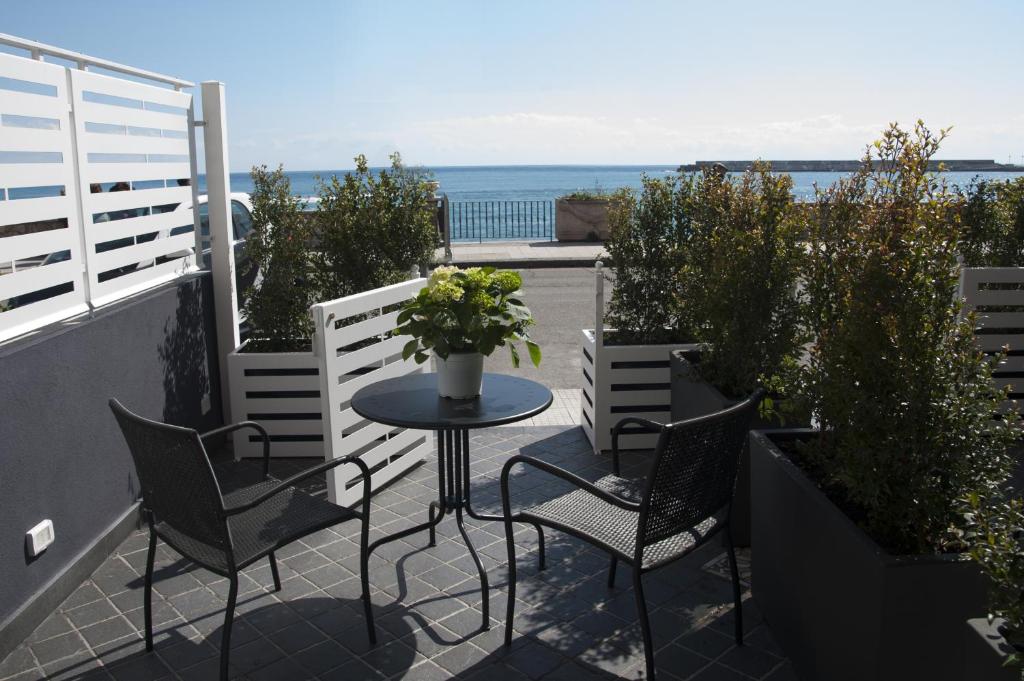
{"points": [[290, 482], [646, 425], [551, 469], [245, 424]]}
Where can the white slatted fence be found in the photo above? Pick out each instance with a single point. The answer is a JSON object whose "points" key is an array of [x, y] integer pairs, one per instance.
{"points": [[355, 347], [135, 173], [40, 256], [996, 296]]}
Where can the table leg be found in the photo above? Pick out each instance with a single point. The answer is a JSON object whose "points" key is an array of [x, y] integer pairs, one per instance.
{"points": [[461, 461]]}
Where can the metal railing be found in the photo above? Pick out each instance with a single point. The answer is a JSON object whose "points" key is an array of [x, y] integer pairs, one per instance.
{"points": [[501, 220]]}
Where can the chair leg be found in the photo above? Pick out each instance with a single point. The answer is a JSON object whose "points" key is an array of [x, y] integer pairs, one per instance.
{"points": [[274, 572], [229, 616], [611, 571], [540, 548], [511, 607], [148, 591], [645, 623], [364, 578], [736, 596]]}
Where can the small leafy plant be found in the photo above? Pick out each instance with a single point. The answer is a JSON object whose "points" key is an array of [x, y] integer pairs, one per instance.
{"points": [[995, 537], [473, 310], [596, 194]]}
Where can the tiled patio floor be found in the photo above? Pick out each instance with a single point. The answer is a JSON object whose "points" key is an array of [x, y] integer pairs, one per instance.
{"points": [[569, 625]]}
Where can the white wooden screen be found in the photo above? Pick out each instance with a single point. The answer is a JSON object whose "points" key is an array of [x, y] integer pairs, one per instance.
{"points": [[40, 258], [133, 157], [996, 295], [355, 347]]}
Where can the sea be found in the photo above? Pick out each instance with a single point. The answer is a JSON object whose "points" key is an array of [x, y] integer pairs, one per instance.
{"points": [[547, 182]]}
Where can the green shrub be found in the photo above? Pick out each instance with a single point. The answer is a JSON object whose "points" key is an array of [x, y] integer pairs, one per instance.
{"points": [[278, 309], [372, 229], [739, 277], [903, 398], [993, 224], [597, 194], [645, 248]]}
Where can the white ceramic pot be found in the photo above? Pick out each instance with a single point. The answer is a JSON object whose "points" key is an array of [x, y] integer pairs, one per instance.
{"points": [[460, 376]]}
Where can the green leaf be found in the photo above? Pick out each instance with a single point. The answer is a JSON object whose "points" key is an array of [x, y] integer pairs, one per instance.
{"points": [[515, 355], [410, 348], [421, 357], [405, 315], [534, 350]]}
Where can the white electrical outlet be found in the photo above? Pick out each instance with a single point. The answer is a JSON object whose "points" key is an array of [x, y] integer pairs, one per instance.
{"points": [[40, 537]]}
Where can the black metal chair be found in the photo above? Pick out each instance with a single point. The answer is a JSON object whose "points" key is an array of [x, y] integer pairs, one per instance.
{"points": [[684, 500], [183, 505]]}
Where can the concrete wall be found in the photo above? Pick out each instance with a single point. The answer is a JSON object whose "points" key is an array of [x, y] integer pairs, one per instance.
{"points": [[62, 456]]}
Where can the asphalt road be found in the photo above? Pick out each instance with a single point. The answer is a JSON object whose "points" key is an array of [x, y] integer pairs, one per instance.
{"points": [[562, 302]]}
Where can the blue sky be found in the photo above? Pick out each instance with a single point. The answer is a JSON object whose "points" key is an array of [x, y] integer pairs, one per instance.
{"points": [[310, 84]]}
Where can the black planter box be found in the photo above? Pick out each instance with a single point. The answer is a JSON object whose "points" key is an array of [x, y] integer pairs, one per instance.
{"points": [[692, 397], [985, 652], [840, 607]]}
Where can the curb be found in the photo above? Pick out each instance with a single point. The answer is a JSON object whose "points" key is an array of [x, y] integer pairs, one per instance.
{"points": [[533, 263]]}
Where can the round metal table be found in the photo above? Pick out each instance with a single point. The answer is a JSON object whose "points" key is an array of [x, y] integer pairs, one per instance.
{"points": [[411, 401]]}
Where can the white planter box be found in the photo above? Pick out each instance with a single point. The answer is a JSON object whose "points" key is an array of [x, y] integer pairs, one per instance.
{"points": [[988, 291], [619, 381], [281, 392]]}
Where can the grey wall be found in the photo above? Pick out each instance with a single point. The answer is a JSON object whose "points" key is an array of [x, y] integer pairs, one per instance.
{"points": [[62, 456]]}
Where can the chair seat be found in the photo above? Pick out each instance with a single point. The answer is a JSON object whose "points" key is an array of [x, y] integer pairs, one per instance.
{"points": [[582, 513], [281, 519]]}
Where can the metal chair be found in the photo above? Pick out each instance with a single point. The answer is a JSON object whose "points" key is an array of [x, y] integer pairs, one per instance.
{"points": [[183, 505], [683, 501]]}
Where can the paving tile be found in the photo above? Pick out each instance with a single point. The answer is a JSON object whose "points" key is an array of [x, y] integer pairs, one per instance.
{"points": [[20, 661], [392, 658], [91, 613], [717, 672], [352, 670], [534, 659], [58, 647], [750, 661], [107, 630]]}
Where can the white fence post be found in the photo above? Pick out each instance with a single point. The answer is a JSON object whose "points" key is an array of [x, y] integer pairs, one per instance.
{"points": [[222, 257]]}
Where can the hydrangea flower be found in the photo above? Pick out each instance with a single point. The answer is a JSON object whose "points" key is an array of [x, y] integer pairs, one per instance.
{"points": [[476, 277], [480, 299], [446, 292], [507, 281], [441, 274]]}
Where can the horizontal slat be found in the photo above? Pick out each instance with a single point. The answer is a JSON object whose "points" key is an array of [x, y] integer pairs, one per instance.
{"points": [[131, 144], [26, 104], [121, 87], [33, 70], [393, 446], [140, 253], [290, 426], [659, 416], [130, 284], [94, 112], [272, 360], [37, 210], [42, 243], [359, 303], [282, 405], [118, 229], [1011, 364], [37, 174], [103, 202], [33, 139], [362, 330], [278, 382], [38, 278], [638, 353], [632, 376], [996, 342], [997, 275], [348, 388], [994, 298], [639, 397], [362, 437], [1000, 320], [125, 172], [281, 450], [351, 361], [24, 319]]}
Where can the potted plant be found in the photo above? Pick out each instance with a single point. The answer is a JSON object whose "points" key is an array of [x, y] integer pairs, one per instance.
{"points": [[994, 532], [625, 367], [744, 257], [368, 231], [856, 559], [461, 316], [582, 216]]}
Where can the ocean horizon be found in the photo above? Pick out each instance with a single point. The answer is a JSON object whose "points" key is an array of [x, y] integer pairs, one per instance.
{"points": [[548, 182]]}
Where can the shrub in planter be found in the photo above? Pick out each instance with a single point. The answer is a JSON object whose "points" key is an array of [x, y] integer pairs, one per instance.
{"points": [[371, 228], [740, 275], [903, 401], [993, 224], [582, 215]]}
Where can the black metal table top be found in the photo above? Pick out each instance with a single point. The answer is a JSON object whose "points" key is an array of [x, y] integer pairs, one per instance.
{"points": [[411, 401]]}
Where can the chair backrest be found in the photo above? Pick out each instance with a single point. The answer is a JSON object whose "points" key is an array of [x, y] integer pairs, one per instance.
{"points": [[178, 484], [694, 470]]}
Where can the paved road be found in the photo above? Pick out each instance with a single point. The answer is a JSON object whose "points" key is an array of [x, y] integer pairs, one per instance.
{"points": [[562, 302]]}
